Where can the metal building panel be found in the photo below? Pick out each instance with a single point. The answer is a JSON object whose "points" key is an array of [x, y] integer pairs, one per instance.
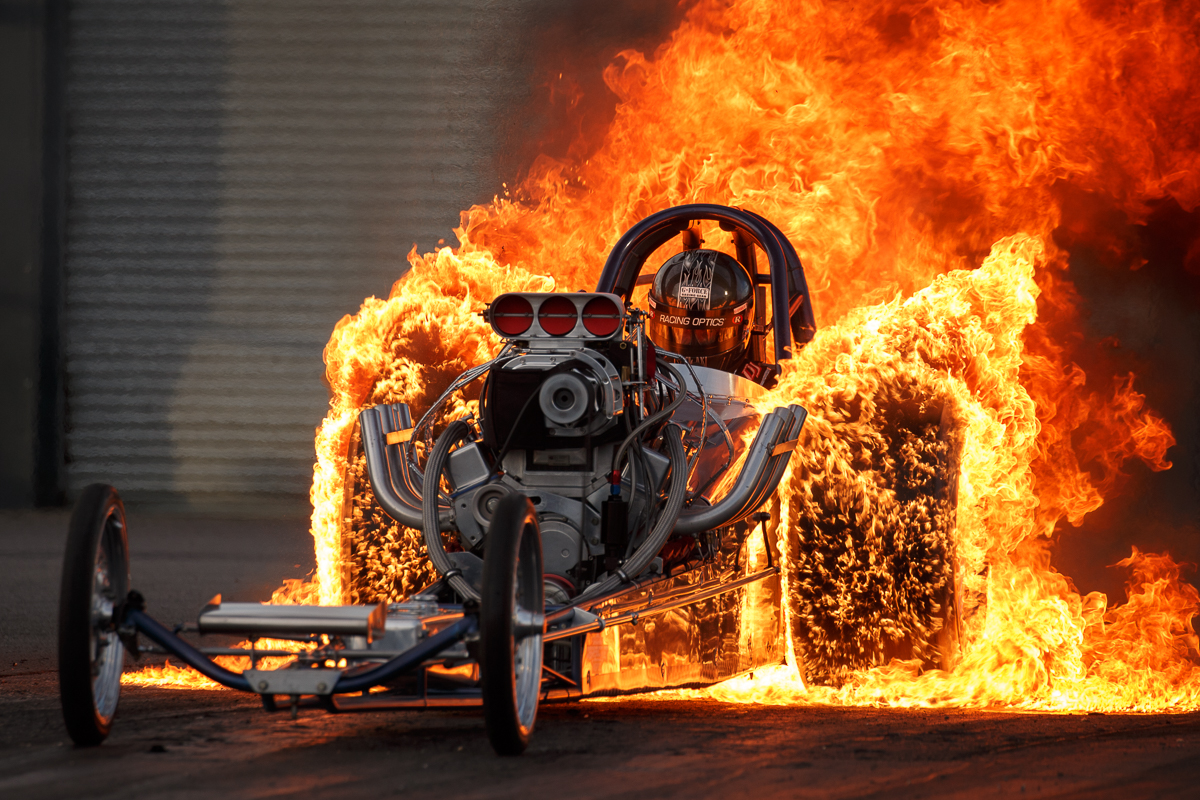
{"points": [[241, 175]]}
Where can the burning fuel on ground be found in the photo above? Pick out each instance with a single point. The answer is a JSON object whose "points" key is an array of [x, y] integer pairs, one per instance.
{"points": [[916, 154]]}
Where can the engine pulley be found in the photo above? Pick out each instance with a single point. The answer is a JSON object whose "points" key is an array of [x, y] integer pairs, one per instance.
{"points": [[564, 399]]}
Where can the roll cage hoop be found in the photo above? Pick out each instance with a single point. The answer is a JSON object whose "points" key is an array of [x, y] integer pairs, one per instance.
{"points": [[792, 315]]}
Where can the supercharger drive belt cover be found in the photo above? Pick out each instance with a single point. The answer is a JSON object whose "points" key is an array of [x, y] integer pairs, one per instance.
{"points": [[701, 304]]}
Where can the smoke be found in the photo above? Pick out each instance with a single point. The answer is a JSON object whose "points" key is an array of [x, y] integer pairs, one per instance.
{"points": [[1139, 287], [560, 107]]}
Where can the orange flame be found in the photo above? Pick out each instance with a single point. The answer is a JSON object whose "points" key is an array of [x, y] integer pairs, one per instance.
{"points": [[913, 153]]}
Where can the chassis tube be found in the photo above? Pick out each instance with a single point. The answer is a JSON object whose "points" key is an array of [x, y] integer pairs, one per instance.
{"points": [[711, 517], [705, 593], [779, 305], [427, 649], [159, 634], [804, 324], [435, 644]]}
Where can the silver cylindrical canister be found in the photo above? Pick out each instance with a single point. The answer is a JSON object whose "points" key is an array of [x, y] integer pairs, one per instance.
{"points": [[280, 621]]}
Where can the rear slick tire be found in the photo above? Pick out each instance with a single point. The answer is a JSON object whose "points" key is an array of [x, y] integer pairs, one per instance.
{"points": [[871, 570], [511, 624], [95, 582]]}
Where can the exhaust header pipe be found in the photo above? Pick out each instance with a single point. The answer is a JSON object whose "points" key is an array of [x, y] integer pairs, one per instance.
{"points": [[396, 487], [760, 475]]}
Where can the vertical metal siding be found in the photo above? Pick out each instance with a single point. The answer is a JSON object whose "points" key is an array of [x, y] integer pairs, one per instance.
{"points": [[241, 175]]}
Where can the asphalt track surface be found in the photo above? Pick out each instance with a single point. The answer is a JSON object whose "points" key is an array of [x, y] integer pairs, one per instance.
{"points": [[194, 744]]}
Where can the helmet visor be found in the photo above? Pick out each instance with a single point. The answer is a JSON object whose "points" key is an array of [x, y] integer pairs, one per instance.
{"points": [[693, 332]]}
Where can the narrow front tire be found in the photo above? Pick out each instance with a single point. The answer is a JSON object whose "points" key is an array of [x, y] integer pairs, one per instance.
{"points": [[95, 582], [511, 625]]}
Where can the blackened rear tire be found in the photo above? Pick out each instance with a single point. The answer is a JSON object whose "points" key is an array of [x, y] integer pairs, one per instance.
{"points": [[511, 613], [95, 582], [871, 569]]}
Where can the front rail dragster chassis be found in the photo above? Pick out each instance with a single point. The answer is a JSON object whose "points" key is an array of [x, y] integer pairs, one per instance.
{"points": [[613, 560], [438, 670]]}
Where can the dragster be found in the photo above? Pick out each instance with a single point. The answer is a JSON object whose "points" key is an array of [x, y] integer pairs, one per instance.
{"points": [[597, 492]]}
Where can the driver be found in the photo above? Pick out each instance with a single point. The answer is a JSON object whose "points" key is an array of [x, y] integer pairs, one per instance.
{"points": [[701, 306]]}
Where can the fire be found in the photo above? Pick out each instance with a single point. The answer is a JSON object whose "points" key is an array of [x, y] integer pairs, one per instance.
{"points": [[171, 676], [917, 156], [1029, 640]]}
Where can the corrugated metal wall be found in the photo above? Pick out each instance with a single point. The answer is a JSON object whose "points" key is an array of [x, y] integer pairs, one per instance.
{"points": [[241, 175]]}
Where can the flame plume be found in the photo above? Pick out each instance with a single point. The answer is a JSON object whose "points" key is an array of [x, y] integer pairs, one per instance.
{"points": [[894, 145], [915, 154]]}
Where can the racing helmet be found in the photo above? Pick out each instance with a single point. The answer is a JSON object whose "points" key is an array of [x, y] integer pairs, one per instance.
{"points": [[701, 306]]}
